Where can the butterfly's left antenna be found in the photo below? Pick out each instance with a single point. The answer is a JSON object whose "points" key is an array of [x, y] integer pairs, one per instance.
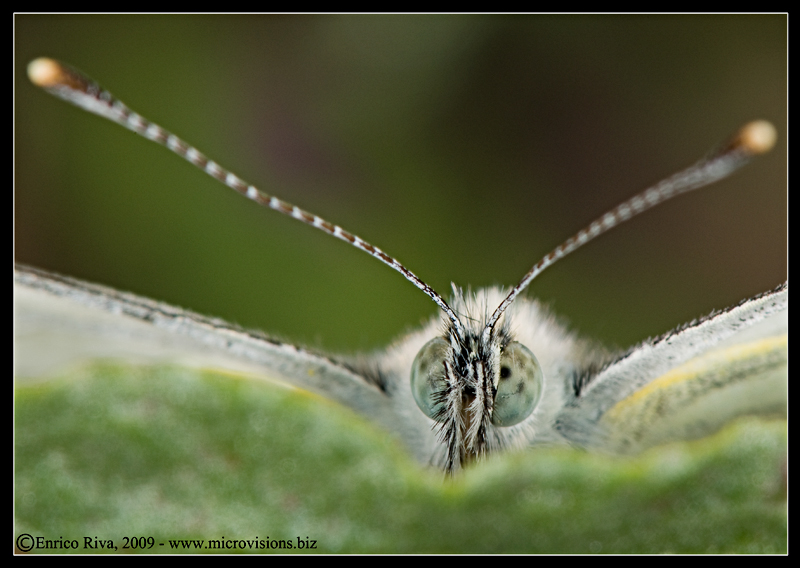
{"points": [[752, 139], [73, 86]]}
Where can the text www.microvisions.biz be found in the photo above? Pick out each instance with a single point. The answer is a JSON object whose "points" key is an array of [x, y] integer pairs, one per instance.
{"points": [[28, 543], [245, 544]]}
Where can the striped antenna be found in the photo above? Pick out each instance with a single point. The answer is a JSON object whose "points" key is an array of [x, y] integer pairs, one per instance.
{"points": [[752, 139], [73, 86]]}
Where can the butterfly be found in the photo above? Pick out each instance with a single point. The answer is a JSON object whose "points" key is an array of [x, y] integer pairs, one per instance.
{"points": [[495, 371]]}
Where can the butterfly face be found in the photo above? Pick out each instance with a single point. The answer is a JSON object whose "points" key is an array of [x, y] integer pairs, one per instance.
{"points": [[472, 387]]}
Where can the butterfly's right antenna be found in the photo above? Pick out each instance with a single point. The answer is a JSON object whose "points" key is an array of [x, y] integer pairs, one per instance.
{"points": [[73, 86], [752, 139]]}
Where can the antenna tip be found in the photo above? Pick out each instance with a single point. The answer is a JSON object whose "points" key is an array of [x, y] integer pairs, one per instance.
{"points": [[45, 72], [756, 137]]}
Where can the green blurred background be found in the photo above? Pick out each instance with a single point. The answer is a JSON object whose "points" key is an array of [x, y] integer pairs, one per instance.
{"points": [[465, 146]]}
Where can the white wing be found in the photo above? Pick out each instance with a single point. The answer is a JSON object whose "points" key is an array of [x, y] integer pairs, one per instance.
{"points": [[689, 382], [61, 321]]}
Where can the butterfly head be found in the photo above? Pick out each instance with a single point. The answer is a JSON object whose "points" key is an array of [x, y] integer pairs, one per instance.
{"points": [[475, 380]]}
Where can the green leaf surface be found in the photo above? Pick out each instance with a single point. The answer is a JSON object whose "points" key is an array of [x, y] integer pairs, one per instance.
{"points": [[172, 453]]}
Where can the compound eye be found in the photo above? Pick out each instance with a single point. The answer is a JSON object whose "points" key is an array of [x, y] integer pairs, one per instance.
{"points": [[520, 386], [428, 377]]}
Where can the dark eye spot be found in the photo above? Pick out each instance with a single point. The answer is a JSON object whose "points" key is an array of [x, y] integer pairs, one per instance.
{"points": [[505, 372]]}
